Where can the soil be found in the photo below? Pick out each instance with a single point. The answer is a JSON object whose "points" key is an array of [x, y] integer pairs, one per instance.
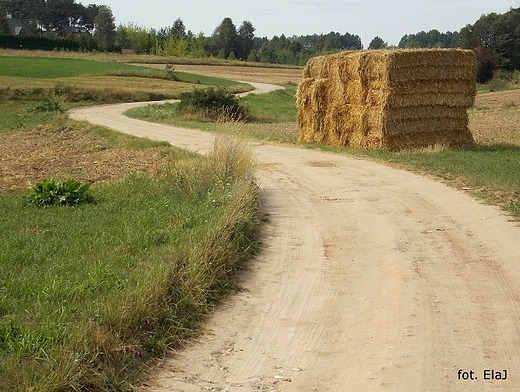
{"points": [[31, 156], [369, 279]]}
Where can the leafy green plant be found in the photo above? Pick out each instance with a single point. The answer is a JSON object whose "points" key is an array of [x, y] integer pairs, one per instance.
{"points": [[51, 192]]}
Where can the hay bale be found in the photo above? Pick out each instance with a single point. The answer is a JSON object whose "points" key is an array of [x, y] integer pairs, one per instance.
{"points": [[312, 101], [382, 98], [316, 68]]}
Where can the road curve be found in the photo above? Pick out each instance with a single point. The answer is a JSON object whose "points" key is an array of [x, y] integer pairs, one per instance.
{"points": [[369, 279]]}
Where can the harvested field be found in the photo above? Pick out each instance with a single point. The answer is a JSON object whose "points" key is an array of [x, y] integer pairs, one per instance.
{"points": [[495, 118], [274, 75], [388, 99], [62, 153]]}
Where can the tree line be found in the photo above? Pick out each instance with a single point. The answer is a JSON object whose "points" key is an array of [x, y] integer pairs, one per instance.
{"points": [[227, 41], [494, 37], [497, 38], [46, 15], [231, 42]]}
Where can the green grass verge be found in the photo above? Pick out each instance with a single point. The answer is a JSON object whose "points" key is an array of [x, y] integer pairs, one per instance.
{"points": [[272, 117], [22, 115], [276, 106], [55, 68], [89, 294]]}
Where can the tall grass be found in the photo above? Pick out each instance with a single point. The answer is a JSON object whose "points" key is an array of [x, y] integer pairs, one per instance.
{"points": [[88, 294]]}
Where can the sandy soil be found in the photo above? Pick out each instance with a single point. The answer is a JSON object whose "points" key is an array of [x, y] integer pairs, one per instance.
{"points": [[369, 279]]}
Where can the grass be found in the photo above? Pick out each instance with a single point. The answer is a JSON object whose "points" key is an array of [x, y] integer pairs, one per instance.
{"points": [[38, 78], [54, 68], [91, 294], [21, 115], [272, 117]]}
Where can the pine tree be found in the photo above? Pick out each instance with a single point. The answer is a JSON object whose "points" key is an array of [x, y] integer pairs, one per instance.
{"points": [[105, 29]]}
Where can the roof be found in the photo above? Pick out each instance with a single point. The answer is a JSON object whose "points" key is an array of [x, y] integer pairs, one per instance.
{"points": [[20, 26]]}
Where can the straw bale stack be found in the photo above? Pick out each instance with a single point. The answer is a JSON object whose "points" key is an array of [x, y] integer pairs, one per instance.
{"points": [[390, 99]]}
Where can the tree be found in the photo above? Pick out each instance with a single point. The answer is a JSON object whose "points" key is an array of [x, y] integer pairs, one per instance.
{"points": [[377, 43], [105, 29], [61, 13], [178, 29], [225, 37], [49, 14], [134, 37], [4, 23], [350, 42], [88, 15], [430, 39], [486, 65], [246, 37], [498, 34]]}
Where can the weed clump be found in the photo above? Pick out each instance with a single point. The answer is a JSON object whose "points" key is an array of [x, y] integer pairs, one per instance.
{"points": [[212, 104], [51, 193]]}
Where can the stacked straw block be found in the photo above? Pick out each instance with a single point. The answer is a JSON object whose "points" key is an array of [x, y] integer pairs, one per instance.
{"points": [[392, 99]]}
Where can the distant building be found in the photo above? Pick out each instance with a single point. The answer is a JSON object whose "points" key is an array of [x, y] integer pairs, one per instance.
{"points": [[20, 27], [65, 31]]}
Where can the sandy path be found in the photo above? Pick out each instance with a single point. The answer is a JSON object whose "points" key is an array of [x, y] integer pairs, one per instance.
{"points": [[370, 279]]}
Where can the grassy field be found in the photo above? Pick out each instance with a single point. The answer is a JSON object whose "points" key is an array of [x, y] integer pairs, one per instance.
{"points": [[273, 117], [37, 78], [90, 295]]}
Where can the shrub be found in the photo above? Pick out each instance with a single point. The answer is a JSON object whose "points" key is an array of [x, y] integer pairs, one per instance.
{"points": [[50, 105], [51, 192], [212, 104], [487, 64], [170, 72]]}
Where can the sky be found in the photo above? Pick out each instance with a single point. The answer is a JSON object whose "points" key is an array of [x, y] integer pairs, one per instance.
{"points": [[387, 19]]}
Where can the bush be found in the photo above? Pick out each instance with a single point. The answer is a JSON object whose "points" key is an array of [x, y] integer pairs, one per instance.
{"points": [[212, 104], [487, 64], [51, 105], [51, 192]]}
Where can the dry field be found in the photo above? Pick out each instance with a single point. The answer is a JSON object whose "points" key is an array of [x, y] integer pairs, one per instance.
{"points": [[495, 118], [41, 153], [280, 76], [109, 87], [28, 157]]}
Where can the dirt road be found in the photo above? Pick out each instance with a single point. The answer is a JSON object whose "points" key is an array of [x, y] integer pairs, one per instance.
{"points": [[369, 279]]}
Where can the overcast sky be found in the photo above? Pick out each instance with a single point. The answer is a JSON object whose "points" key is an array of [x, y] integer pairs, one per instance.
{"points": [[388, 19]]}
